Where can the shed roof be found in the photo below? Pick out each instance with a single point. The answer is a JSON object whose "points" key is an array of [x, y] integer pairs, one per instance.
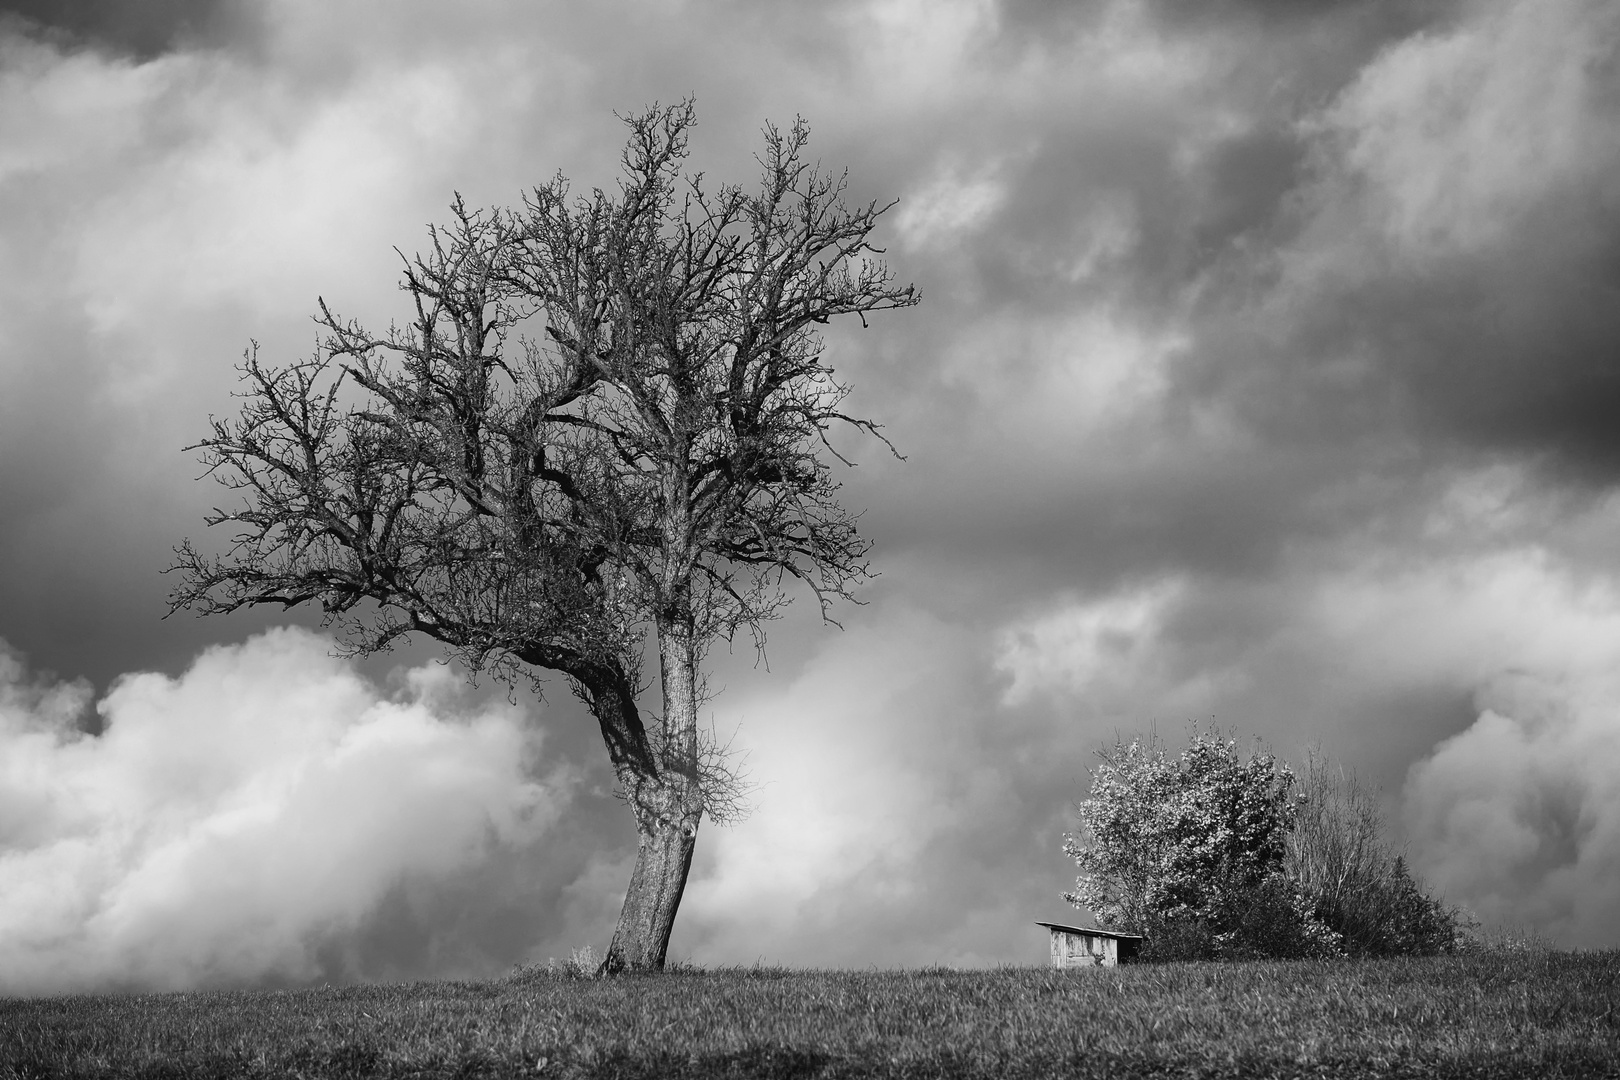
{"points": [[1093, 931]]}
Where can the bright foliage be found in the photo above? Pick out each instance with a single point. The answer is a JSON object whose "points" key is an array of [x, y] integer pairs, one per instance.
{"points": [[1211, 854], [1189, 850]]}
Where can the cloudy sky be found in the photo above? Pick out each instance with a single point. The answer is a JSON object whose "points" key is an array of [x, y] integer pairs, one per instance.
{"points": [[1267, 373]]}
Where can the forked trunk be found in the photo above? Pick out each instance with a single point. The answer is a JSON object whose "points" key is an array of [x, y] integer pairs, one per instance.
{"points": [[668, 809]]}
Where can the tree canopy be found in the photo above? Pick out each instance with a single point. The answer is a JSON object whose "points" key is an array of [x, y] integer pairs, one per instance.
{"points": [[1169, 838], [606, 418]]}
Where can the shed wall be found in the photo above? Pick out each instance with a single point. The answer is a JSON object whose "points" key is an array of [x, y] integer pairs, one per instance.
{"points": [[1083, 950]]}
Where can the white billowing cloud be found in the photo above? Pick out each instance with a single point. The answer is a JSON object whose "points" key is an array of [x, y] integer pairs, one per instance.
{"points": [[57, 109], [1519, 815], [1469, 620], [910, 42], [1087, 646], [845, 802], [266, 173], [892, 822], [1445, 261], [262, 200], [1457, 136], [947, 207], [1062, 390], [236, 824]]}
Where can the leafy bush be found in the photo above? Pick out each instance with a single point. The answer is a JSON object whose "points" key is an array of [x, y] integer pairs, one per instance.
{"points": [[1214, 856], [1189, 851], [1268, 919]]}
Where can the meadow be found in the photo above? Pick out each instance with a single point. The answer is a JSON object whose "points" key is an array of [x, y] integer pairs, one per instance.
{"points": [[1545, 1014]]}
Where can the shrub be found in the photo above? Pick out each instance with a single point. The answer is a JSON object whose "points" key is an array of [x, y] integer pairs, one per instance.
{"points": [[1355, 883], [1189, 851], [1214, 856], [1266, 920]]}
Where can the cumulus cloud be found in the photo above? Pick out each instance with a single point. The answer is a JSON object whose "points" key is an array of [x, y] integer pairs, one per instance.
{"points": [[947, 206], [1449, 278], [1519, 815], [1262, 375], [1080, 646], [251, 821], [1456, 138], [904, 814]]}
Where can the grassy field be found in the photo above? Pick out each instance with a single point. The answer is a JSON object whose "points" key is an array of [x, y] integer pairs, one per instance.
{"points": [[1538, 1015]]}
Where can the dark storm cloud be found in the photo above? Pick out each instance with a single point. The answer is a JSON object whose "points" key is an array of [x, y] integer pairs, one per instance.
{"points": [[140, 28], [1379, 18], [68, 598], [1246, 326], [1520, 360], [1364, 271], [1454, 274], [1346, 320]]}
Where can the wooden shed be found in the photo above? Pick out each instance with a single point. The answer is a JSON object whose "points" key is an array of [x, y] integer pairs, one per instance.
{"points": [[1080, 946]]}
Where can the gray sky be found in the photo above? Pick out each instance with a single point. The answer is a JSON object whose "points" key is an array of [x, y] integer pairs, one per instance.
{"points": [[1267, 373]]}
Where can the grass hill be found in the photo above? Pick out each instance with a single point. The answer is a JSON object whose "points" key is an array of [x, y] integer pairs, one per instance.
{"points": [[1543, 1014]]}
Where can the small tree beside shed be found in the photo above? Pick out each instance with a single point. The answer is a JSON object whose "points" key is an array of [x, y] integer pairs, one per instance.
{"points": [[1188, 851]]}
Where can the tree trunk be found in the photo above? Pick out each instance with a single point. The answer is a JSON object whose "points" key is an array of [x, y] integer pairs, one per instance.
{"points": [[668, 809], [663, 858]]}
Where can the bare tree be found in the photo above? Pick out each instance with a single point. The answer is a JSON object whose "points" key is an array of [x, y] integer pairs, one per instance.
{"points": [[608, 416]]}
